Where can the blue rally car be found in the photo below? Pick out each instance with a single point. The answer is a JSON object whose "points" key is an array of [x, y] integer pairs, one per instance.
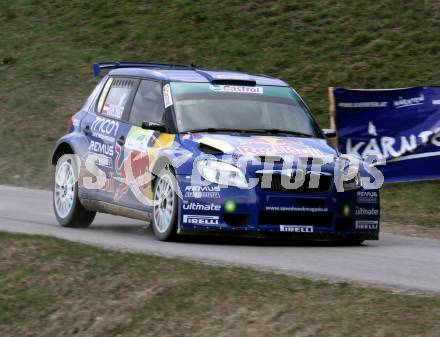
{"points": [[199, 151]]}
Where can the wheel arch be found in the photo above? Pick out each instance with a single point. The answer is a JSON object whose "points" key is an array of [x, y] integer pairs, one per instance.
{"points": [[72, 143], [60, 150], [159, 165]]}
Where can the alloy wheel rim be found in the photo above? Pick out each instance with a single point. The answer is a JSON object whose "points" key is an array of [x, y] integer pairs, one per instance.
{"points": [[163, 204], [64, 189]]}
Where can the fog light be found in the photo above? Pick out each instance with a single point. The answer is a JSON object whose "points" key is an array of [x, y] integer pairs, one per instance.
{"points": [[346, 210], [230, 206]]}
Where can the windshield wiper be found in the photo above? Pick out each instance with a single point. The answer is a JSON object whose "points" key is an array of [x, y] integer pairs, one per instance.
{"points": [[214, 130], [277, 131], [265, 131]]}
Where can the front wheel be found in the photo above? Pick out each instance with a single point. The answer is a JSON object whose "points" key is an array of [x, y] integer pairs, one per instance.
{"points": [[165, 206], [68, 209]]}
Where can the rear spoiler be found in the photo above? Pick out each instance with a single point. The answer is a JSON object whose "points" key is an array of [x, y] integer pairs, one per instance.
{"points": [[97, 67]]}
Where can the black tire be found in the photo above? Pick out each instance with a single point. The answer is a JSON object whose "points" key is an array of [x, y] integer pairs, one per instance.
{"points": [[76, 215], [167, 232]]}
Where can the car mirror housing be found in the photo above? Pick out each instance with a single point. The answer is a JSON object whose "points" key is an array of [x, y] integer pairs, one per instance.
{"points": [[329, 133], [153, 126]]}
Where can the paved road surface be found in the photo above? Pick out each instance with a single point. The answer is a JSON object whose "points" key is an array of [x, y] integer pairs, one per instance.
{"points": [[396, 262]]}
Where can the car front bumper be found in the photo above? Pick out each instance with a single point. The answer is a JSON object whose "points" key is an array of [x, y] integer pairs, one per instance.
{"points": [[352, 215]]}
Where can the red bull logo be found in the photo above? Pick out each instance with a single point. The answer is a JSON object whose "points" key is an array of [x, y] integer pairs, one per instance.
{"points": [[272, 145], [271, 141], [132, 173]]}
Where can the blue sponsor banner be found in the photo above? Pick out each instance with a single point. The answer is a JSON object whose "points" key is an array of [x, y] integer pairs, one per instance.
{"points": [[399, 126]]}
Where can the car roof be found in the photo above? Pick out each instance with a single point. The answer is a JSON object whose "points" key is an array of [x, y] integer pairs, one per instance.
{"points": [[195, 75]]}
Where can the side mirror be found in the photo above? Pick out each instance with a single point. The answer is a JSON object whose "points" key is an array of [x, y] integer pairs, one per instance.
{"points": [[329, 133], [153, 126]]}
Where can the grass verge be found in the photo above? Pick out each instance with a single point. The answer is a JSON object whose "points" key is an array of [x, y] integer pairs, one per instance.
{"points": [[51, 287], [412, 207]]}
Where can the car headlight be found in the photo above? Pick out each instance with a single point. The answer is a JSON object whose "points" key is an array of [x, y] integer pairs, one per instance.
{"points": [[353, 183], [221, 173]]}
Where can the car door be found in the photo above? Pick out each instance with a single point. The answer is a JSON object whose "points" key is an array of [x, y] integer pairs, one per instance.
{"points": [[134, 158], [104, 127]]}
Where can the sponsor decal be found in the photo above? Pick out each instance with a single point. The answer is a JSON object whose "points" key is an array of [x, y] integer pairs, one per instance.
{"points": [[297, 209], [167, 98], [367, 197], [263, 140], [405, 102], [202, 192], [132, 172], [236, 89], [115, 110], [366, 211], [363, 104], [200, 219], [230, 206], [366, 224], [133, 162], [103, 160], [195, 206], [101, 148], [109, 185], [91, 176], [296, 229], [106, 184], [105, 129], [274, 149], [272, 145], [139, 139]]}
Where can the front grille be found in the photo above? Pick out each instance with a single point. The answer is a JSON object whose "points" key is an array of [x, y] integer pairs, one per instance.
{"points": [[324, 185], [343, 224], [271, 159], [295, 218], [310, 202]]}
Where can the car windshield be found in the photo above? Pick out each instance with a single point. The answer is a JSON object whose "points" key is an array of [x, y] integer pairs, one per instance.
{"points": [[204, 106]]}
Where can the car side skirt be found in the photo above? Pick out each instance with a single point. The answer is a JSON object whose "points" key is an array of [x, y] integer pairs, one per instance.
{"points": [[109, 208]]}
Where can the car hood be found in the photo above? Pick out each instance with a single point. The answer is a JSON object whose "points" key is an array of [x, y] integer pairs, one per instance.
{"points": [[257, 145]]}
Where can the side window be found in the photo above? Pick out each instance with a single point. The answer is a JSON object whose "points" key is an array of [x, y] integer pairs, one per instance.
{"points": [[148, 103], [117, 98]]}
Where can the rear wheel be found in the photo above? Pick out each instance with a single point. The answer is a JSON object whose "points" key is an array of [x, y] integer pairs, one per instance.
{"points": [[68, 209], [165, 206]]}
